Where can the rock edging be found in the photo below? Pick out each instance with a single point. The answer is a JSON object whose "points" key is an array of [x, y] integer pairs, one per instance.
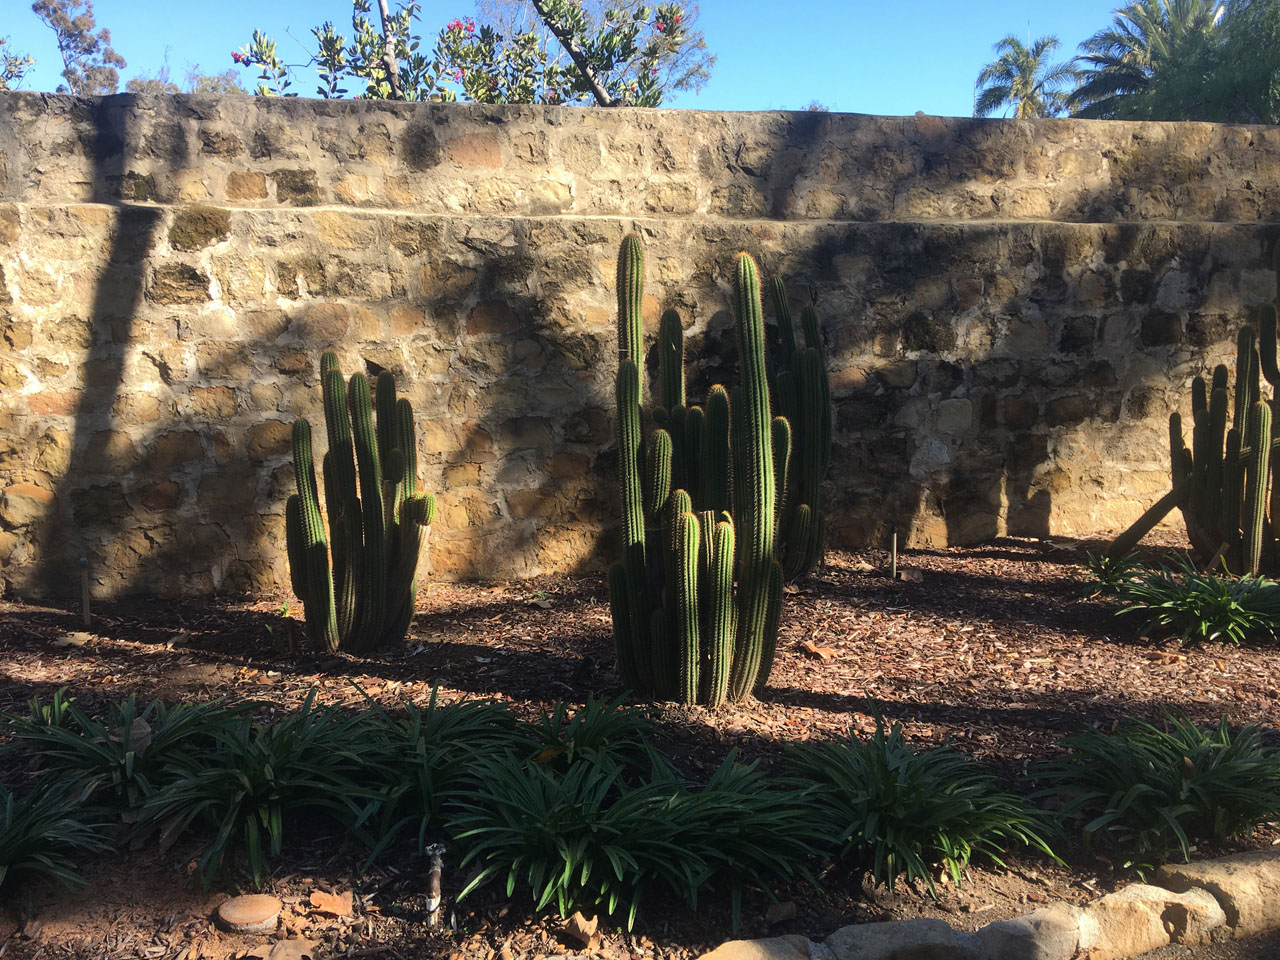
{"points": [[1190, 904]]}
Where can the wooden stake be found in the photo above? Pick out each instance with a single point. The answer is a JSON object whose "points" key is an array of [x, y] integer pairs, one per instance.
{"points": [[893, 552], [84, 590]]}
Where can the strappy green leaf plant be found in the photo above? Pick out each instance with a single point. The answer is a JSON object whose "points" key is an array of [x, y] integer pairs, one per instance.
{"points": [[1150, 792], [899, 811], [41, 833]]}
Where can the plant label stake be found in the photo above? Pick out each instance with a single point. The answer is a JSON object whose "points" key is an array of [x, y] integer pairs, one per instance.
{"points": [[893, 552], [84, 590], [435, 852]]}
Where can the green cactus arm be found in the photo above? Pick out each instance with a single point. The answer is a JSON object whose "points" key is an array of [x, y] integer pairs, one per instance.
{"points": [[694, 424], [715, 466], [1247, 365], [373, 606], [773, 617], [627, 389], [800, 538], [781, 437], [1199, 442], [662, 657], [342, 549], [671, 359], [1267, 344], [1228, 525], [407, 442], [1256, 477], [753, 449], [1217, 437], [813, 340], [384, 401], [657, 488], [640, 609], [338, 427], [630, 300], [295, 543], [753, 480], [402, 582], [687, 611], [624, 642], [721, 616], [1176, 449], [328, 362], [1221, 378], [782, 311], [322, 625]]}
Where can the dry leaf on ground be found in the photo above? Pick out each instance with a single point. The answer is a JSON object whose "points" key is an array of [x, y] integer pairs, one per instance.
{"points": [[332, 904]]}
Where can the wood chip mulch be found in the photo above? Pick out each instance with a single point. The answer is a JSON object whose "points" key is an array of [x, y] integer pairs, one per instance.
{"points": [[995, 648]]}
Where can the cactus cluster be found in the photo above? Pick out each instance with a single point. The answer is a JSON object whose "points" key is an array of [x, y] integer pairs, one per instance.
{"points": [[803, 396], [1223, 482], [697, 596], [357, 585]]}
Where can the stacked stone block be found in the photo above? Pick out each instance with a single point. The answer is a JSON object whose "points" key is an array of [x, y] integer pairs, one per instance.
{"points": [[1011, 308]]}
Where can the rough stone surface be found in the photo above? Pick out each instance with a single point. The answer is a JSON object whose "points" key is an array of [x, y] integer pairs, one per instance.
{"points": [[1244, 884], [1011, 310], [252, 913], [773, 948], [1141, 917], [922, 939], [1050, 933]]}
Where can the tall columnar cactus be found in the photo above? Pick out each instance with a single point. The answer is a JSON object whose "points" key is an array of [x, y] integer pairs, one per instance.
{"points": [[1225, 482], [699, 503], [358, 583], [803, 395]]}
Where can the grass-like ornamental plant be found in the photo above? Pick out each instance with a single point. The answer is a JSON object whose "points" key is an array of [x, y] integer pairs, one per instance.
{"points": [[597, 728], [39, 834], [1149, 792], [257, 776], [1200, 607], [1109, 574], [426, 758], [123, 753], [895, 810], [584, 838]]}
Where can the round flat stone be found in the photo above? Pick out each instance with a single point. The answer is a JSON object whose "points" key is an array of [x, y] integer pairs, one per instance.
{"points": [[254, 913]]}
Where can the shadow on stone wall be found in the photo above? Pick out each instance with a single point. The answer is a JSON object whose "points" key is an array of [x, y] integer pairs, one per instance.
{"points": [[975, 364], [95, 447]]}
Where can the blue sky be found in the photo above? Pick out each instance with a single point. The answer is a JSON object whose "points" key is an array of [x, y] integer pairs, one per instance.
{"points": [[890, 57]]}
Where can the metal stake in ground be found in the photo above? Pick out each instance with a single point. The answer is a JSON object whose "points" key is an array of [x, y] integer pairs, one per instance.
{"points": [[435, 852], [84, 590]]}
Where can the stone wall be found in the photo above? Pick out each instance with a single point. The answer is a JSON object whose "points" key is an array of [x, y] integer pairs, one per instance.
{"points": [[1011, 311]]}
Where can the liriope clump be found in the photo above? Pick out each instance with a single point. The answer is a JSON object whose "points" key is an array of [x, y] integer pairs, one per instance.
{"points": [[697, 596], [358, 580]]}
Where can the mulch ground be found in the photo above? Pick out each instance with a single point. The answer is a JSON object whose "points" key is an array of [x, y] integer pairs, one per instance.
{"points": [[995, 648]]}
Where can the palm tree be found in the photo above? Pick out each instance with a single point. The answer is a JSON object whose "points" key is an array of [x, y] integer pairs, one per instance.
{"points": [[1151, 63], [1022, 78]]}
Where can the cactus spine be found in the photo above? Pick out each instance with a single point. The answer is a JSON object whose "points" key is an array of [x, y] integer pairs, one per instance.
{"points": [[358, 585], [682, 629], [1225, 482]]}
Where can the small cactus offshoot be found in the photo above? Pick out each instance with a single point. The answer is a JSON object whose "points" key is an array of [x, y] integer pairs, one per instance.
{"points": [[357, 579]]}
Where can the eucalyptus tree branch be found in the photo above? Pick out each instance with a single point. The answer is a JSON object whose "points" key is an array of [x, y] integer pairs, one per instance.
{"points": [[388, 52], [576, 54]]}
